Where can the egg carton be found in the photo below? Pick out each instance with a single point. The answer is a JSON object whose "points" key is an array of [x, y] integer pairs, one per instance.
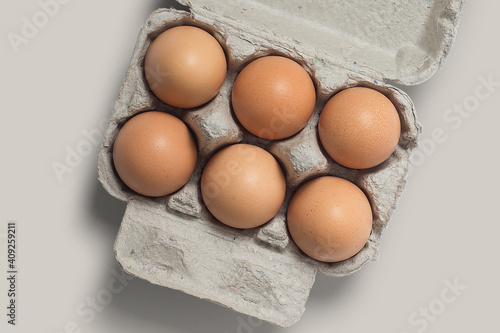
{"points": [[174, 241]]}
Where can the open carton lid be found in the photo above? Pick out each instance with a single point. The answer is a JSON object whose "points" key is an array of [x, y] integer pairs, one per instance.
{"points": [[401, 41]]}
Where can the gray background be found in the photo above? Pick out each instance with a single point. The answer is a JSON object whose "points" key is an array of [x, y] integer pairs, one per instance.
{"points": [[64, 82]]}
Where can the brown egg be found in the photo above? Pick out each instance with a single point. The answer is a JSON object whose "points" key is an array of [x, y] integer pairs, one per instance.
{"points": [[359, 128], [243, 186], [185, 66], [273, 97], [330, 219], [154, 153]]}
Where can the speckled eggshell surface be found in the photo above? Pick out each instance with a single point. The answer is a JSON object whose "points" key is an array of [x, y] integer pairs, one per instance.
{"points": [[243, 186], [330, 219], [359, 127], [185, 66], [154, 154], [273, 97]]}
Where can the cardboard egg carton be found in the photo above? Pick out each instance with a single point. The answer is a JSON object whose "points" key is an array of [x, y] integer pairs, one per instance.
{"points": [[174, 241]]}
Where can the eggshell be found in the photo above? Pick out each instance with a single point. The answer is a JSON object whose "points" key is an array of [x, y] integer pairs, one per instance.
{"points": [[330, 219], [243, 186], [185, 66], [154, 154], [273, 97], [359, 128]]}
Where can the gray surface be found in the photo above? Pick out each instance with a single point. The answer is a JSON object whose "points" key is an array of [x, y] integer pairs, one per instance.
{"points": [[445, 227]]}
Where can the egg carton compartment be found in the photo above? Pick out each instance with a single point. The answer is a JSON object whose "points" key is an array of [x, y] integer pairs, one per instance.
{"points": [[174, 241]]}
